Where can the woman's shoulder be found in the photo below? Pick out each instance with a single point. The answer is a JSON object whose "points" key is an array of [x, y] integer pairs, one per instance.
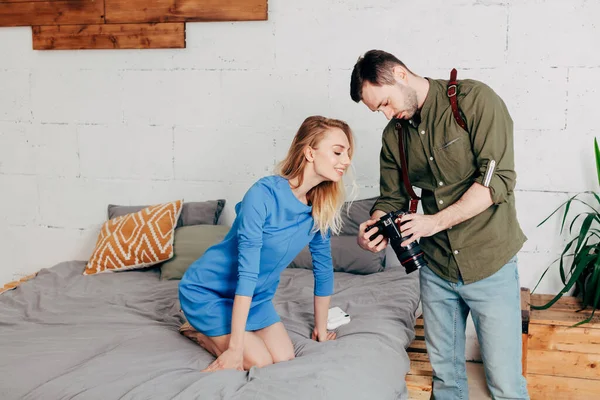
{"points": [[271, 183], [267, 187]]}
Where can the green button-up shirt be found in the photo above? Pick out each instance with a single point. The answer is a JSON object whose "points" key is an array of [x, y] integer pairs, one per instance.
{"points": [[444, 161]]}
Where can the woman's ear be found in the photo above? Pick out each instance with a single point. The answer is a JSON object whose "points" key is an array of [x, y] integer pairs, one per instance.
{"points": [[308, 154]]}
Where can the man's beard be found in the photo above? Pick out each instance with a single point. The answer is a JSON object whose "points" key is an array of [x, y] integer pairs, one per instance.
{"points": [[410, 102]]}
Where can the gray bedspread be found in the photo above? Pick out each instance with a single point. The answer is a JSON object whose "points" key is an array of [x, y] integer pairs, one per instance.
{"points": [[114, 336]]}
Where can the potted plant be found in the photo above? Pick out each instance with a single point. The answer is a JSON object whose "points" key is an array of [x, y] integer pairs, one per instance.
{"points": [[579, 265]]}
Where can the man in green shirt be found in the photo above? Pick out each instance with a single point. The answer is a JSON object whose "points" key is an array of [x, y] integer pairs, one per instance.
{"points": [[468, 232]]}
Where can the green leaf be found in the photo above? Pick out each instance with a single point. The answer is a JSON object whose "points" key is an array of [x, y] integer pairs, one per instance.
{"points": [[586, 203], [567, 205], [585, 227], [596, 196], [554, 212], [595, 214], [597, 153], [579, 267], [575, 220], [561, 264], [562, 225], [585, 321], [590, 292], [588, 319]]}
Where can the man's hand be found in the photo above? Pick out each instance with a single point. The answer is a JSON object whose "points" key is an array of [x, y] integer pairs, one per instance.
{"points": [[377, 244], [418, 225]]}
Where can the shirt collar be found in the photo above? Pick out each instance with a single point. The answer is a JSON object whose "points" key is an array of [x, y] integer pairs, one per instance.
{"points": [[429, 99], [416, 119]]}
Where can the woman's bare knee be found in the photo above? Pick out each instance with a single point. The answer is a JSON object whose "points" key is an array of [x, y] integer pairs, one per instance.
{"points": [[278, 342], [256, 353], [257, 359], [284, 356], [285, 353]]}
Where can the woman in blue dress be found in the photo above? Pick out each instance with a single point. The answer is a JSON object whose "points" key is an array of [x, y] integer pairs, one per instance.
{"points": [[226, 295]]}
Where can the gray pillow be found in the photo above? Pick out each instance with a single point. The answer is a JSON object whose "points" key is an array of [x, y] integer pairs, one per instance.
{"points": [[191, 242], [346, 257], [358, 213], [192, 213]]}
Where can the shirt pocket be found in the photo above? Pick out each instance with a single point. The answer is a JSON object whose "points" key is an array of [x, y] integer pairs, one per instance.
{"points": [[455, 159]]}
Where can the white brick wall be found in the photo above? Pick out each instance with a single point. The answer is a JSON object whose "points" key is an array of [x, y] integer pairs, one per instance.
{"points": [[230, 153], [76, 97], [167, 97], [82, 129], [15, 102], [111, 151]]}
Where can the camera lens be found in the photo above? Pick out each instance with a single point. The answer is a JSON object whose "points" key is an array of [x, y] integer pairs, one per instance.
{"points": [[411, 256]]}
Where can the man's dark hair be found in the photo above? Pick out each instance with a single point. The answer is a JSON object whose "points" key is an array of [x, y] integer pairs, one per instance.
{"points": [[374, 67]]}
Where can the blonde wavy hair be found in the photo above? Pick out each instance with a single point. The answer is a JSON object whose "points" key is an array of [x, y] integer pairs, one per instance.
{"points": [[327, 198]]}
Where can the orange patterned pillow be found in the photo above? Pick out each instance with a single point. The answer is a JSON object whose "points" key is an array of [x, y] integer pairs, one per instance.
{"points": [[136, 240]]}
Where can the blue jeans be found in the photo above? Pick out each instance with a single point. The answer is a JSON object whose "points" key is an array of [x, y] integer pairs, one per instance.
{"points": [[496, 307]]}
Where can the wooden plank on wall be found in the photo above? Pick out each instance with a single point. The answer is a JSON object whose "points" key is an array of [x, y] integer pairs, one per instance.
{"points": [[128, 11], [107, 36], [67, 12]]}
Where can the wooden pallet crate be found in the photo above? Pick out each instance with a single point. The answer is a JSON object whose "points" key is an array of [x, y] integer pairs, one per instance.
{"points": [[563, 362], [419, 378]]}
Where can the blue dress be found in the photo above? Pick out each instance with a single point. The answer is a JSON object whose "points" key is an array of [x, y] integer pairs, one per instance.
{"points": [[271, 227]]}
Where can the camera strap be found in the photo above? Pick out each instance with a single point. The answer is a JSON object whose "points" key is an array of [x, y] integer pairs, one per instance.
{"points": [[414, 199], [451, 91]]}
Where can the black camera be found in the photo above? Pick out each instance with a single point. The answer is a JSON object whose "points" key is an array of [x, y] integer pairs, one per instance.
{"points": [[411, 256]]}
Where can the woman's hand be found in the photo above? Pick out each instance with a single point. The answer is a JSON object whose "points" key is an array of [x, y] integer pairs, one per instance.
{"points": [[229, 359], [323, 338]]}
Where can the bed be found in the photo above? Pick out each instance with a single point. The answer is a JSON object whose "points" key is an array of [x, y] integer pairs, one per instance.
{"points": [[115, 336], [68, 335]]}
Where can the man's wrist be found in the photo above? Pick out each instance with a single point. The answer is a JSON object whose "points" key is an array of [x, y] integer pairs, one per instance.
{"points": [[442, 221]]}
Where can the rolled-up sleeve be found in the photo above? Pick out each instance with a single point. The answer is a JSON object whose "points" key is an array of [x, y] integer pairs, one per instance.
{"points": [[252, 214], [320, 250], [393, 195], [491, 130]]}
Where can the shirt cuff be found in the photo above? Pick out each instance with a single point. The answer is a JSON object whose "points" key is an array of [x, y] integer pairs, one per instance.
{"points": [[385, 206], [497, 187], [324, 287], [245, 287]]}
